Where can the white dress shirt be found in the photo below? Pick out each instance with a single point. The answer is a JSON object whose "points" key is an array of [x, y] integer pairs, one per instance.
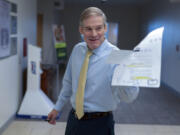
{"points": [[99, 96]]}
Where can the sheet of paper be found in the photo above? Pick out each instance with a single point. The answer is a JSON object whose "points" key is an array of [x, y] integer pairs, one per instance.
{"points": [[142, 66]]}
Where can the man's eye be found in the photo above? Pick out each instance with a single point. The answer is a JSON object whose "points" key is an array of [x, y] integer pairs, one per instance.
{"points": [[98, 28], [87, 29]]}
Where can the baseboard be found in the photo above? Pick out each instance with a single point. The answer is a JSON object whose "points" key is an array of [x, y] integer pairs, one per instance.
{"points": [[174, 91], [2, 129]]}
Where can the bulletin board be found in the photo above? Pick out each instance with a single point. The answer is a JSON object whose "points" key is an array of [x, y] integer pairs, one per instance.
{"points": [[4, 29], [8, 29]]}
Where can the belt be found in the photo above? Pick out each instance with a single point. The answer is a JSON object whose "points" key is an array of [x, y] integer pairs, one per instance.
{"points": [[92, 115]]}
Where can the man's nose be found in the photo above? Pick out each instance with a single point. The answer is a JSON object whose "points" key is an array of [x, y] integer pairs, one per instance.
{"points": [[94, 33]]}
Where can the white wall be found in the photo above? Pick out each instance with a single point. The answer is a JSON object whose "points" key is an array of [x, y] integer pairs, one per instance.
{"points": [[9, 88], [11, 67]]}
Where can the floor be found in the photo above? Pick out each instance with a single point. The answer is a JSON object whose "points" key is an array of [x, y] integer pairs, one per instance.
{"points": [[154, 112], [157, 106], [43, 128]]}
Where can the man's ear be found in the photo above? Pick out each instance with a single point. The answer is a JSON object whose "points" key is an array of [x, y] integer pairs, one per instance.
{"points": [[80, 29], [105, 27]]}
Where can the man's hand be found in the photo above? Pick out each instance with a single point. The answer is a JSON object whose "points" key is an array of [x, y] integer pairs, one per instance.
{"points": [[52, 117]]}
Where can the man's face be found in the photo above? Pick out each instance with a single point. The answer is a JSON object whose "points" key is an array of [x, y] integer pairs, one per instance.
{"points": [[93, 30]]}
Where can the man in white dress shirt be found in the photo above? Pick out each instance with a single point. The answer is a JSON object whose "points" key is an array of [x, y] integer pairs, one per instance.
{"points": [[99, 98]]}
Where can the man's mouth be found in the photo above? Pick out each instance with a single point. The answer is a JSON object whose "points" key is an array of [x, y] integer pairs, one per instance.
{"points": [[93, 40]]}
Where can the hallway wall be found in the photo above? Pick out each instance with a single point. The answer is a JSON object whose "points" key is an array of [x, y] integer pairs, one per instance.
{"points": [[11, 67], [161, 13]]}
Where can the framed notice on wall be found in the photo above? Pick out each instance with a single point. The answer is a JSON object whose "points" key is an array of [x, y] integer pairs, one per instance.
{"points": [[4, 29], [13, 29]]}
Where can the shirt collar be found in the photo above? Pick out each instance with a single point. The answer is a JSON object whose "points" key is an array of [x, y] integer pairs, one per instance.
{"points": [[101, 48]]}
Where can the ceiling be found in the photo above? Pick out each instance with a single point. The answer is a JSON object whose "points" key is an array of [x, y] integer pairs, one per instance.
{"points": [[106, 2]]}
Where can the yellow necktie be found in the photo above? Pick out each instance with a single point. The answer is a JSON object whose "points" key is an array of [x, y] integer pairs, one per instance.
{"points": [[81, 86]]}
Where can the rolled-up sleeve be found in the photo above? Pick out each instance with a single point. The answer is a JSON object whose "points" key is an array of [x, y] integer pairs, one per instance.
{"points": [[66, 90], [126, 93]]}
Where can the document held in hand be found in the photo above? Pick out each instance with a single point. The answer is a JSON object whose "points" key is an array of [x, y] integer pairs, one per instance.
{"points": [[139, 67]]}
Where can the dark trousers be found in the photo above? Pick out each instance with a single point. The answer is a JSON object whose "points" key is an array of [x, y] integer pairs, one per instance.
{"points": [[98, 126]]}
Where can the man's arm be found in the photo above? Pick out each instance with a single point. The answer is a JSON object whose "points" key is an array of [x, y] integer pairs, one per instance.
{"points": [[64, 95], [127, 93], [124, 93]]}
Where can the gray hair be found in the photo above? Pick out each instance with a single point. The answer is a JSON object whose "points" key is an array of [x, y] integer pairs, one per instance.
{"points": [[91, 11]]}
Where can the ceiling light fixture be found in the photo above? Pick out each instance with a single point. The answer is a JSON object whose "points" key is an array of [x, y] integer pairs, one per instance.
{"points": [[103, 1]]}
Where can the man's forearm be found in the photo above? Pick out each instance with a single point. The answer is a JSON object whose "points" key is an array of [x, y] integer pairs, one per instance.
{"points": [[127, 93]]}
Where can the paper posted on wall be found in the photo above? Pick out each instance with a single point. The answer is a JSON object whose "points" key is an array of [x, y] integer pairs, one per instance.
{"points": [[141, 66]]}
